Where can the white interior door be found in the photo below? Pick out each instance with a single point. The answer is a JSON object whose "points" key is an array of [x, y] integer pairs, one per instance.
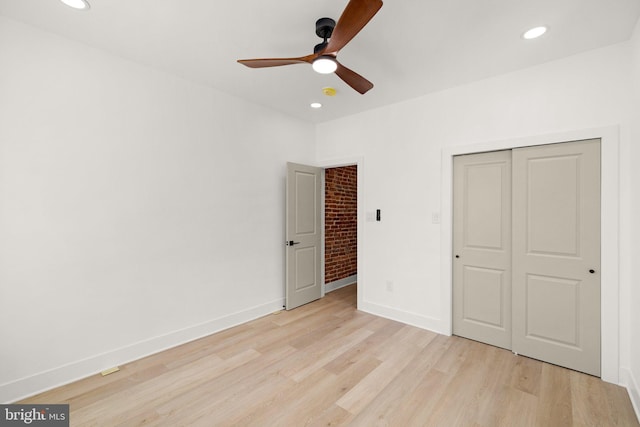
{"points": [[304, 235], [482, 247], [556, 254]]}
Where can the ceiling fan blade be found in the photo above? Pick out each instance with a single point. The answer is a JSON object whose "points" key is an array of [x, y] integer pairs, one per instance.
{"points": [[353, 79], [355, 16], [277, 62]]}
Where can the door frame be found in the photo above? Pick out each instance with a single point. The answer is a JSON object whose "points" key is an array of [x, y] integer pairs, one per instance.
{"points": [[610, 231], [337, 163]]}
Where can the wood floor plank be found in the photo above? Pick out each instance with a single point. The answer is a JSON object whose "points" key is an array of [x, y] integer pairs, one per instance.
{"points": [[591, 399], [334, 348], [387, 406], [423, 400], [333, 416], [459, 403], [555, 400], [327, 364], [235, 382], [368, 347], [266, 411], [510, 407], [393, 363], [159, 390], [526, 375], [328, 386]]}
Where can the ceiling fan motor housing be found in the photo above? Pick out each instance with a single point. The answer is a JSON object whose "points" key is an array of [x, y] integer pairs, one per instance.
{"points": [[324, 29]]}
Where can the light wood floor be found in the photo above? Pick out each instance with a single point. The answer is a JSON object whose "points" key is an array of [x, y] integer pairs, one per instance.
{"points": [[327, 364]]}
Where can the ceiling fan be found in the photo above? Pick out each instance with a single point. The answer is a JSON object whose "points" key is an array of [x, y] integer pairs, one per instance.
{"points": [[323, 59]]}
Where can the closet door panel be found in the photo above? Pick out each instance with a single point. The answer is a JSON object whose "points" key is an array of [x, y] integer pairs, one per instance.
{"points": [[556, 254], [482, 247]]}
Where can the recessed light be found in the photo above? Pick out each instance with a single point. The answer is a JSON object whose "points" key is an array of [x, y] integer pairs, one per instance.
{"points": [[316, 105], [534, 33], [77, 4]]}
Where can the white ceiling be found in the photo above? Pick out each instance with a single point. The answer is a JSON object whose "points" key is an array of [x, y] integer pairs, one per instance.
{"points": [[410, 48]]}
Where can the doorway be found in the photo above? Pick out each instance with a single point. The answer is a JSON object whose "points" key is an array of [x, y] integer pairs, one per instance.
{"points": [[314, 204], [340, 227]]}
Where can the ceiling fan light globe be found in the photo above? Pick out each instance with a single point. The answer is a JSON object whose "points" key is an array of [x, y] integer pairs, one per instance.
{"points": [[324, 65]]}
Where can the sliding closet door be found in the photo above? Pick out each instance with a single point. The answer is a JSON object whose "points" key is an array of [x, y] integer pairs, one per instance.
{"points": [[482, 247], [556, 254]]}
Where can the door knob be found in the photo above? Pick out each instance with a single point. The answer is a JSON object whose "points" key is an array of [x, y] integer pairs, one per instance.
{"points": [[592, 271], [291, 243]]}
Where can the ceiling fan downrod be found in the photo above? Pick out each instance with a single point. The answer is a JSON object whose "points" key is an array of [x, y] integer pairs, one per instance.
{"points": [[324, 29]]}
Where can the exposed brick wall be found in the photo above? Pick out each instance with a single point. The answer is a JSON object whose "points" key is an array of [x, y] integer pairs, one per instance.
{"points": [[341, 231]]}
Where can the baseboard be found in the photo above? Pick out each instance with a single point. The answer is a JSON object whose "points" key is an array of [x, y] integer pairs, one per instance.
{"points": [[413, 319], [335, 285], [631, 383], [43, 381]]}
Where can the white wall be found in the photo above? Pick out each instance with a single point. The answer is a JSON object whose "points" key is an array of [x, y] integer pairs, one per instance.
{"points": [[401, 147], [137, 210], [634, 273]]}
